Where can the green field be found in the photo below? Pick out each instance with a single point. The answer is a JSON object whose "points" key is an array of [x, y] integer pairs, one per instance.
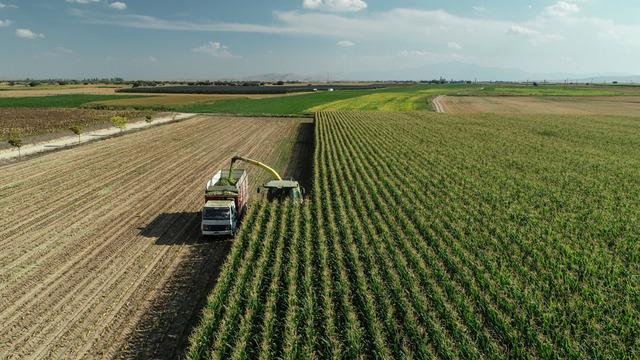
{"points": [[442, 237], [57, 101]]}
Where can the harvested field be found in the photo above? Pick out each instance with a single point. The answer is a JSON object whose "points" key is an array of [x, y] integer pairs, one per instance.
{"points": [[29, 122], [100, 249], [185, 99], [596, 105]]}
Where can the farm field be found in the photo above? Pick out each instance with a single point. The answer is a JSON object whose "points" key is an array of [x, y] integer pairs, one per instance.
{"points": [[167, 101], [30, 122], [48, 90], [596, 105], [101, 254], [442, 236], [57, 101]]}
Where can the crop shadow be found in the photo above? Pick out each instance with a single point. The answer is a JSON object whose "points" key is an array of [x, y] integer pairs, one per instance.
{"points": [[300, 165], [163, 330]]}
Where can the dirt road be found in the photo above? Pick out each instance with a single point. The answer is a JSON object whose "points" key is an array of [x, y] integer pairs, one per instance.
{"points": [[100, 252], [438, 104]]}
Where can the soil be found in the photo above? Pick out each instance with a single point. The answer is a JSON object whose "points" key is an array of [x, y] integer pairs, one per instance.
{"points": [[184, 99], [596, 105], [100, 250]]}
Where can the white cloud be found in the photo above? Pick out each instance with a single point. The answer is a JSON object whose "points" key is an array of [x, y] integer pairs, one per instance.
{"points": [[118, 5], [58, 52], [5, 23], [480, 8], [536, 37], [312, 4], [335, 5], [563, 8], [5, 6], [153, 59], [454, 45], [346, 43], [215, 49], [28, 34], [82, 1], [521, 30], [63, 50]]}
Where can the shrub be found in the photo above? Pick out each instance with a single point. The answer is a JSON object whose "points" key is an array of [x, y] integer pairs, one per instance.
{"points": [[15, 140], [76, 129], [120, 122]]}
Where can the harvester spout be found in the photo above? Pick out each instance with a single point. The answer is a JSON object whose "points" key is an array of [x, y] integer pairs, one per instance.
{"points": [[267, 168]]}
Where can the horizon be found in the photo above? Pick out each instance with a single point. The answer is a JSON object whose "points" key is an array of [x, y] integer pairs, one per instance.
{"points": [[314, 39]]}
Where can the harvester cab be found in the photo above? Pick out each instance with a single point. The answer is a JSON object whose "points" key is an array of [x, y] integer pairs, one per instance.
{"points": [[283, 189]]}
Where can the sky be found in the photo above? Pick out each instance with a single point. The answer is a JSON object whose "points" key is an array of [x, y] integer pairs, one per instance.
{"points": [[215, 39]]}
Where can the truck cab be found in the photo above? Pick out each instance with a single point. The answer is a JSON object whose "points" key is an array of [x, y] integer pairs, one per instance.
{"points": [[219, 217]]}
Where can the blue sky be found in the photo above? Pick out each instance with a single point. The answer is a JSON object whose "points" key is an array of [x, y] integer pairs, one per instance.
{"points": [[192, 39]]}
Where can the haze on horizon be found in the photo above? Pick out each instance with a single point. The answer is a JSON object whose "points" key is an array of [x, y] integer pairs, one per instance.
{"points": [[344, 39]]}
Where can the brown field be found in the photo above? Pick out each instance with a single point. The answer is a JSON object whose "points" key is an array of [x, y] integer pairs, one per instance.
{"points": [[595, 105], [100, 249], [21, 91], [29, 122], [185, 99]]}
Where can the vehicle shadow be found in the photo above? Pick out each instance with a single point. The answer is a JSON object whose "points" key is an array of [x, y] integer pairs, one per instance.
{"points": [[301, 160], [163, 331]]}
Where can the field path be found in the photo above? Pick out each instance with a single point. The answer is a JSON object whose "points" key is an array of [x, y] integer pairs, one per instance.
{"points": [[437, 104], [100, 251], [66, 141]]}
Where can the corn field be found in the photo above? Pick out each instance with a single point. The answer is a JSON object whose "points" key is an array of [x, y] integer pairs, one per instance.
{"points": [[436, 236]]}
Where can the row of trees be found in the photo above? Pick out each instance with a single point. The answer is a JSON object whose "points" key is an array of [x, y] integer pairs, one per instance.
{"points": [[119, 122]]}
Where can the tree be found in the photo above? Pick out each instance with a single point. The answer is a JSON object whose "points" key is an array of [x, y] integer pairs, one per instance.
{"points": [[120, 122], [148, 117], [76, 129], [16, 141]]}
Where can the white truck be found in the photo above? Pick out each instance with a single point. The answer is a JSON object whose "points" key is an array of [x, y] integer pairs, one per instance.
{"points": [[226, 199]]}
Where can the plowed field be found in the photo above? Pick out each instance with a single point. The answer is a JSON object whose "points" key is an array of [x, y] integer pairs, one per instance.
{"points": [[100, 252], [582, 105]]}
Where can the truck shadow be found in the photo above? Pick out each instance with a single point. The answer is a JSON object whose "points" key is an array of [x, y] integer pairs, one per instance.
{"points": [[300, 166], [163, 331]]}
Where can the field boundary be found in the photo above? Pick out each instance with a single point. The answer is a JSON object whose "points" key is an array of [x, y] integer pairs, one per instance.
{"points": [[71, 141]]}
